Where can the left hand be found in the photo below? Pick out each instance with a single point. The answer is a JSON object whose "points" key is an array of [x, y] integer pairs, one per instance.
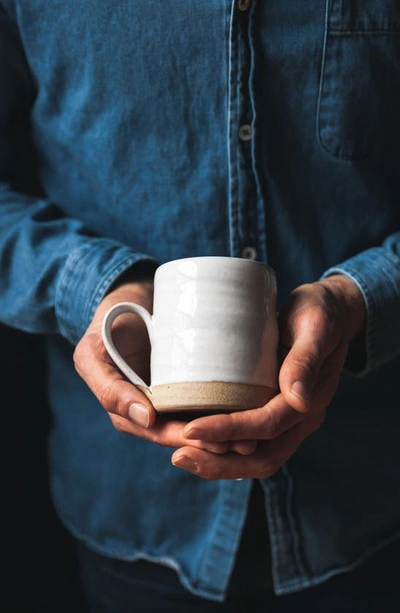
{"points": [[316, 326]]}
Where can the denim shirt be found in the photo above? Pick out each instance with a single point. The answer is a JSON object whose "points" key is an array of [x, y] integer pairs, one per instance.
{"points": [[132, 133]]}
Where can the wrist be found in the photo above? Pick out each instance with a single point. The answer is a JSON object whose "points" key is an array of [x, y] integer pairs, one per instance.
{"points": [[350, 296]]}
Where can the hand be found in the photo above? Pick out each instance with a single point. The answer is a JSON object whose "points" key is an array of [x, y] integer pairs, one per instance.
{"points": [[128, 408], [316, 326]]}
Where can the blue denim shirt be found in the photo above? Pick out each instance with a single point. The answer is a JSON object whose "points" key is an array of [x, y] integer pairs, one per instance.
{"points": [[134, 132]]}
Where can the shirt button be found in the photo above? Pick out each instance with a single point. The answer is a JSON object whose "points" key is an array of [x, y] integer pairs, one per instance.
{"points": [[249, 253], [243, 5], [245, 132]]}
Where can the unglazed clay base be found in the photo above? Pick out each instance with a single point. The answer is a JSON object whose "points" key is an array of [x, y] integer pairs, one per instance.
{"points": [[207, 397]]}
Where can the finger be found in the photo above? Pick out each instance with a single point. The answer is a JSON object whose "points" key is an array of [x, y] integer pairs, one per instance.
{"points": [[300, 368], [242, 447], [265, 422], [165, 433], [263, 463], [110, 387], [328, 379], [130, 410]]}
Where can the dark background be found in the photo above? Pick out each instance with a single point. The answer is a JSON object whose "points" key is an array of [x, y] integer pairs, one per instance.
{"points": [[39, 558]]}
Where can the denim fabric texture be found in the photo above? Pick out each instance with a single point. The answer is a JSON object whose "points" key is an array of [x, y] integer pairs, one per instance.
{"points": [[136, 132]]}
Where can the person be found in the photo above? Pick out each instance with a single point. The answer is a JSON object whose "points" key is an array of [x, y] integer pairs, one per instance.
{"points": [[137, 133]]}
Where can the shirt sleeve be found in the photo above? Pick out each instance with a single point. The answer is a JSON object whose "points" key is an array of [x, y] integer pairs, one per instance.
{"points": [[53, 270], [376, 272]]}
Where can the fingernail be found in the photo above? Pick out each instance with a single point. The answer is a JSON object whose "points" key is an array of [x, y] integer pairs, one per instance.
{"points": [[299, 389], [139, 414], [195, 433], [183, 461]]}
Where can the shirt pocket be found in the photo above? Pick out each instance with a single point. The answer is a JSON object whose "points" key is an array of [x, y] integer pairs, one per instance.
{"points": [[359, 93]]}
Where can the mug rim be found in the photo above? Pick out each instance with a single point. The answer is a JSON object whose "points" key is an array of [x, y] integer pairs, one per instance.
{"points": [[217, 257]]}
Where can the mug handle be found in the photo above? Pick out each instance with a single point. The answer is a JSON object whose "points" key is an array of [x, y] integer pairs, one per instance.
{"points": [[110, 316]]}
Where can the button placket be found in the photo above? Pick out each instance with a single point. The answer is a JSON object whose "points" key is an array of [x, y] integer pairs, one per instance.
{"points": [[245, 132], [242, 192], [245, 135]]}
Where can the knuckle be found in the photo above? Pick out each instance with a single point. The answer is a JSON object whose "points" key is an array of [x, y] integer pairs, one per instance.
{"points": [[213, 471], [78, 356], [108, 398], [269, 468], [227, 425], [306, 364], [326, 319], [84, 352], [269, 462], [318, 312], [264, 473], [319, 317], [271, 425]]}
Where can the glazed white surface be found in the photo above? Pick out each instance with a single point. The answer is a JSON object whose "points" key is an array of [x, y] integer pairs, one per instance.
{"points": [[214, 319]]}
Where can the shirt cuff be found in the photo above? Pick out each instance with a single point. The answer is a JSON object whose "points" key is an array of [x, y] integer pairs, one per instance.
{"points": [[89, 272], [376, 272]]}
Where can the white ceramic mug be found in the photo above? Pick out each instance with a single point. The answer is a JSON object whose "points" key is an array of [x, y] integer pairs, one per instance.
{"points": [[213, 335]]}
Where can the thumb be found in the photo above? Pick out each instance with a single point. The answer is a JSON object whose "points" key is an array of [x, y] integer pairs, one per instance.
{"points": [[299, 373]]}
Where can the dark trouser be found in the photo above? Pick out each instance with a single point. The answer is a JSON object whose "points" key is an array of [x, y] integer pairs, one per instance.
{"points": [[113, 586]]}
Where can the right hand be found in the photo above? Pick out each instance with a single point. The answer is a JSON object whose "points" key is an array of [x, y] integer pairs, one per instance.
{"points": [[130, 411]]}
